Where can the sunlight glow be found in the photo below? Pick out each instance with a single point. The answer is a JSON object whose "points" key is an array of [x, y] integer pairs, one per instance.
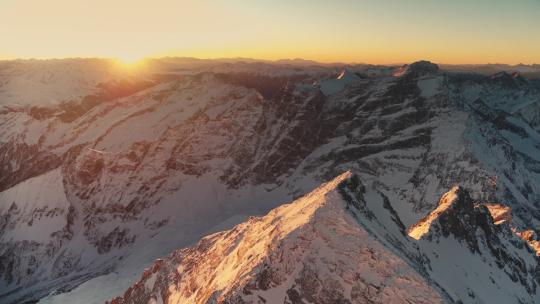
{"points": [[130, 59], [129, 65]]}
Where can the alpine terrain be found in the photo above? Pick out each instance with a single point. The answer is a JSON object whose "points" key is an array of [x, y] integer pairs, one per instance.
{"points": [[243, 181]]}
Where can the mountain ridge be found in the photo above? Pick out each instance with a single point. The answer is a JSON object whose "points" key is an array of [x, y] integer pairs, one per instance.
{"points": [[343, 197], [297, 222]]}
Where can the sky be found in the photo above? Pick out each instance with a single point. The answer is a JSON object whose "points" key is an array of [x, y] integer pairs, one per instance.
{"points": [[361, 31]]}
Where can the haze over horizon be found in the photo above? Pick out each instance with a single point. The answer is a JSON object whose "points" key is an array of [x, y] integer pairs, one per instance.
{"points": [[137, 61], [368, 31]]}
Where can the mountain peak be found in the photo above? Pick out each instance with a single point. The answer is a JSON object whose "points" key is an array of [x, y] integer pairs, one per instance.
{"points": [[456, 215], [417, 68], [450, 198], [424, 66], [508, 79], [460, 229], [311, 250]]}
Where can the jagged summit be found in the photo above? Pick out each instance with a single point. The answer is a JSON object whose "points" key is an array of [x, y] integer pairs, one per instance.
{"points": [[449, 199], [503, 214], [311, 250], [459, 216], [458, 230], [423, 66], [417, 68], [508, 79]]}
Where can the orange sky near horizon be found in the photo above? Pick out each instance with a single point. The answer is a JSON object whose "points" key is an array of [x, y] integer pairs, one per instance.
{"points": [[364, 31]]}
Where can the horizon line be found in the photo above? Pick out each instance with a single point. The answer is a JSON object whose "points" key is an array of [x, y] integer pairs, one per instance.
{"points": [[239, 58]]}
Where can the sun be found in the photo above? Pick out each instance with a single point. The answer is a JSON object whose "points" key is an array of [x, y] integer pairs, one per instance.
{"points": [[130, 59], [129, 64]]}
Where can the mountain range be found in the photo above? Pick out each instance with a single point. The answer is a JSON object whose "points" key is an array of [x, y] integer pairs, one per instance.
{"points": [[236, 181]]}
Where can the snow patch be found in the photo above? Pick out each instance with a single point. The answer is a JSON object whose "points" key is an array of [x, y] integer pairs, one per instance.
{"points": [[333, 86], [429, 87]]}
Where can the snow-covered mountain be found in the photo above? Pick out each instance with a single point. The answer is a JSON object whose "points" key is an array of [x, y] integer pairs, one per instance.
{"points": [[312, 250], [103, 171], [330, 247]]}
